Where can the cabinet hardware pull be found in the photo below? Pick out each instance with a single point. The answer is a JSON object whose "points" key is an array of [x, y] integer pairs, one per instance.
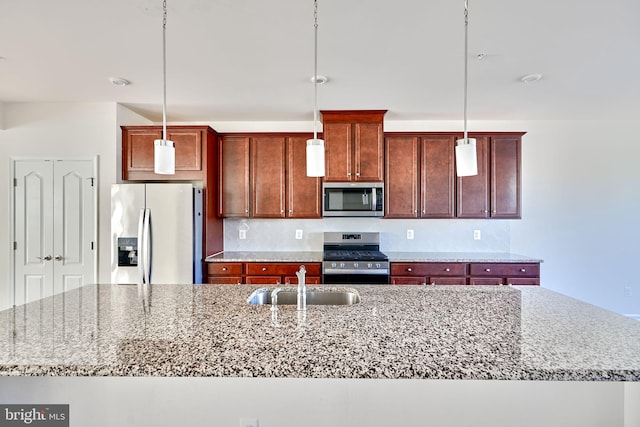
{"points": [[523, 270], [264, 268], [224, 268], [493, 211], [447, 269], [409, 270], [357, 173], [46, 258], [487, 270], [59, 258]]}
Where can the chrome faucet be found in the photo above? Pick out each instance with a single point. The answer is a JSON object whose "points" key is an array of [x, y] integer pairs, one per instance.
{"points": [[302, 288]]}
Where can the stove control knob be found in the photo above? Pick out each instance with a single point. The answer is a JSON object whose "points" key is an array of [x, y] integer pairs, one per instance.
{"points": [[342, 265], [377, 265], [355, 265], [333, 265], [369, 265]]}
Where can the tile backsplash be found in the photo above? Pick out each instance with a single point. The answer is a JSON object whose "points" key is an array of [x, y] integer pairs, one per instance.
{"points": [[430, 235]]}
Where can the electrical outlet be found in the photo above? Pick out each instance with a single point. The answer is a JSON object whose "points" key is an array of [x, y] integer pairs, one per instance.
{"points": [[242, 234], [477, 235], [298, 234], [409, 234], [248, 422], [627, 291]]}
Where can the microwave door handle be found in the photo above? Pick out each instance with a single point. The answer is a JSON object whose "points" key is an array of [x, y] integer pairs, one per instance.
{"points": [[374, 199]]}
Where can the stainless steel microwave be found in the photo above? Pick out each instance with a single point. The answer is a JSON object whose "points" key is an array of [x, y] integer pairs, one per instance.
{"points": [[353, 199]]}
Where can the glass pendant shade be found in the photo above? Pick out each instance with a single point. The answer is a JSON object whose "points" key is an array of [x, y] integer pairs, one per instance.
{"points": [[315, 157], [466, 158], [164, 157]]}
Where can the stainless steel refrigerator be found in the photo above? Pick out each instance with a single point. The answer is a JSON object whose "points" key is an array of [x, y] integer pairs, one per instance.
{"points": [[156, 234]]}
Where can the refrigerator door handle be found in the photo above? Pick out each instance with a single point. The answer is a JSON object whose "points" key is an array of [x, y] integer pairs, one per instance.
{"points": [[141, 248], [147, 246]]}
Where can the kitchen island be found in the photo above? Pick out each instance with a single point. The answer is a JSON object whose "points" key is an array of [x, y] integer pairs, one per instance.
{"points": [[419, 332], [404, 355]]}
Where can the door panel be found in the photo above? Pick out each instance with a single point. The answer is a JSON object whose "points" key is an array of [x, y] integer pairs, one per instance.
{"points": [[73, 227], [33, 230]]}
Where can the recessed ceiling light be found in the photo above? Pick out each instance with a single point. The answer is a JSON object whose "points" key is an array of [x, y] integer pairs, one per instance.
{"points": [[119, 81], [530, 78], [321, 79], [481, 56]]}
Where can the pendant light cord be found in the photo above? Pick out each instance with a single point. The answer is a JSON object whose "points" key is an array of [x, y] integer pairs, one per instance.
{"points": [[466, 58], [164, 70], [315, 70]]}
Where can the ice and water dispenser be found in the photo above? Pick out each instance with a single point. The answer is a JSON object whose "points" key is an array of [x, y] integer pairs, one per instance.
{"points": [[127, 251]]}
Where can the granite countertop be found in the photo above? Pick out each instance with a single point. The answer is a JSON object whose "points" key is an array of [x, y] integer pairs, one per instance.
{"points": [[285, 256], [435, 332]]}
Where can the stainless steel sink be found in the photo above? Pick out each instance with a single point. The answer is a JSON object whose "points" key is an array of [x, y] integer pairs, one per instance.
{"points": [[262, 296]]}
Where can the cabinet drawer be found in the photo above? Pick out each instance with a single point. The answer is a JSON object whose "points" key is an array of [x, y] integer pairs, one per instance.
{"points": [[224, 280], [408, 280], [429, 269], [281, 269], [264, 280], [224, 268], [309, 280], [444, 280], [505, 269], [486, 281]]}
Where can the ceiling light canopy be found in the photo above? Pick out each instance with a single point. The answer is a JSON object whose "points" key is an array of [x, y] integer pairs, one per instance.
{"points": [[119, 81]]}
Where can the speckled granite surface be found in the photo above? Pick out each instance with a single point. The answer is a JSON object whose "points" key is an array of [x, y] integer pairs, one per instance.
{"points": [[230, 256], [455, 332]]}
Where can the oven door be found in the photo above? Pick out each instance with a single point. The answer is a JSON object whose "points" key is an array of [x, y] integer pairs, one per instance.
{"points": [[355, 279]]}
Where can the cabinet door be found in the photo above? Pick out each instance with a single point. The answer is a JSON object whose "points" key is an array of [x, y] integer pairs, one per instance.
{"points": [[234, 176], [473, 191], [437, 177], [401, 177], [505, 177], [368, 152], [338, 151], [138, 147], [303, 193], [267, 177]]}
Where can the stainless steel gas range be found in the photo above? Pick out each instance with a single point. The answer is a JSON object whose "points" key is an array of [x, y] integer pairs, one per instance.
{"points": [[354, 258]]}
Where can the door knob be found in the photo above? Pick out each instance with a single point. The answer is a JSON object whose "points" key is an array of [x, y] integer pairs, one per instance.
{"points": [[47, 258], [59, 258]]}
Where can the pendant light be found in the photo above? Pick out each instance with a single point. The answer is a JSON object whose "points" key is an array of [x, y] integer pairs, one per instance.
{"points": [[164, 152], [315, 146], [466, 158]]}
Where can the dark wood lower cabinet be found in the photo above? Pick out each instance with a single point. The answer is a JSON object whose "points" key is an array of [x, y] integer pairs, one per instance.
{"points": [[463, 273], [262, 273]]}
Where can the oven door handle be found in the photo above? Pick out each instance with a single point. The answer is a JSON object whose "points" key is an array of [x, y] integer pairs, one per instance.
{"points": [[367, 272]]}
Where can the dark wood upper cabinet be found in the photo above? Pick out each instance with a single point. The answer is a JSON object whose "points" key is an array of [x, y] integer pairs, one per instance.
{"points": [[190, 143], [496, 191], [303, 193], [419, 176], [265, 176], [437, 177], [234, 176], [401, 176], [473, 191], [506, 176], [354, 145], [267, 173]]}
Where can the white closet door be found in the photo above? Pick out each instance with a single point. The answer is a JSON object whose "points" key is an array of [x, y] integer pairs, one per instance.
{"points": [[33, 186], [73, 206], [54, 223]]}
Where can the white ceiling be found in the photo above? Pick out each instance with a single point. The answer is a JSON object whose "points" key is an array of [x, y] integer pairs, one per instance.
{"points": [[231, 60]]}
